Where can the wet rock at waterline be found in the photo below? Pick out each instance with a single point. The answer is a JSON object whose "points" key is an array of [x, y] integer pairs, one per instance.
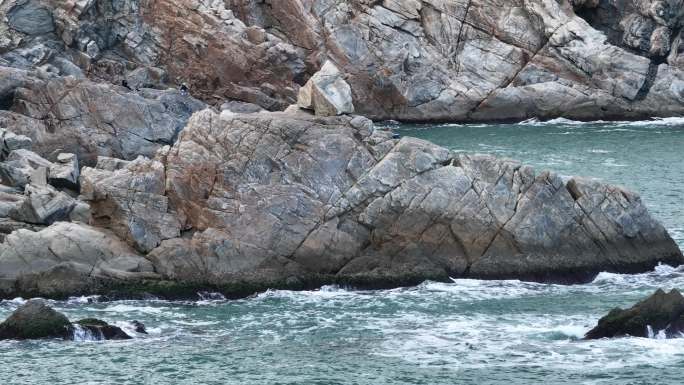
{"points": [[94, 329], [661, 313], [36, 320]]}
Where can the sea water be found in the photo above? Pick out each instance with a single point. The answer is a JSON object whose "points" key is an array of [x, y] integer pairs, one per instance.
{"points": [[464, 332]]}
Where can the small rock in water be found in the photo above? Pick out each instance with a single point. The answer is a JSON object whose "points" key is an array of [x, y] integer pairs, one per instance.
{"points": [[139, 327], [98, 329], [661, 313], [34, 320]]}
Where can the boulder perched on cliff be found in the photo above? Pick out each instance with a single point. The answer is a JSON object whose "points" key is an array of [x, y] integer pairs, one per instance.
{"points": [[327, 93], [34, 320], [661, 312]]}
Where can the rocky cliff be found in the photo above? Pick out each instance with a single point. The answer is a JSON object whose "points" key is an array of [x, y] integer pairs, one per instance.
{"points": [[455, 60], [120, 174]]}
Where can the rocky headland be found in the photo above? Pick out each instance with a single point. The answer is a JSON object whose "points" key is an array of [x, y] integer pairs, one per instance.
{"points": [[170, 147]]}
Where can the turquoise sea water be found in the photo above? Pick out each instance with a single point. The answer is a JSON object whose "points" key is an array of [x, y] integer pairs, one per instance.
{"points": [[465, 332]]}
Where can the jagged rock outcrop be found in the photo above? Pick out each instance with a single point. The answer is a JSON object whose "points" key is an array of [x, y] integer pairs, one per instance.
{"points": [[244, 202], [335, 197], [93, 119], [245, 199], [660, 314], [458, 60]]}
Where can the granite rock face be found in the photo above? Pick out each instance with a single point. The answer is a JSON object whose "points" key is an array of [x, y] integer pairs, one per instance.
{"points": [[335, 197], [108, 181], [67, 259], [244, 202], [419, 60], [327, 93]]}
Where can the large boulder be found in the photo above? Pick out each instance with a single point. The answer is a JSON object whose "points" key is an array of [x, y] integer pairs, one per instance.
{"points": [[35, 320], [660, 313], [327, 93], [291, 198], [64, 172]]}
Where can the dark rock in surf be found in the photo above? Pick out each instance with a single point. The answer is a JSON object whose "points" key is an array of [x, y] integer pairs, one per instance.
{"points": [[35, 320], [96, 329], [139, 327], [660, 312]]}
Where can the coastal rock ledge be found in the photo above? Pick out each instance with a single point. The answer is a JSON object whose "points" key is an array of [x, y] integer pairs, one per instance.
{"points": [[246, 202]]}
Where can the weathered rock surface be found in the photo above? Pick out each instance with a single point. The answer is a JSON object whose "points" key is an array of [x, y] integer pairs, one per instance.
{"points": [[94, 119], [65, 171], [243, 202], [660, 313], [454, 60], [327, 93], [275, 194], [131, 202], [66, 259]]}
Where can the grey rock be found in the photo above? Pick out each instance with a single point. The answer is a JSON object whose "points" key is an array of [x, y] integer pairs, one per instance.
{"points": [[276, 196], [68, 259], [30, 17], [91, 120], [11, 141], [64, 172], [43, 205], [327, 93], [131, 202], [22, 167]]}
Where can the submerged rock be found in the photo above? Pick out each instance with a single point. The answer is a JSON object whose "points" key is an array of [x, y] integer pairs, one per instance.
{"points": [[661, 312], [34, 320]]}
